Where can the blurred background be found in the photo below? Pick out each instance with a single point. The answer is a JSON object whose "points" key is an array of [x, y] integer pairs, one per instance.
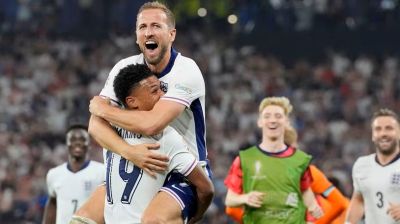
{"points": [[336, 60]]}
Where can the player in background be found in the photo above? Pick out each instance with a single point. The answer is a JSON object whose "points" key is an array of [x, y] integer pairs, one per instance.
{"points": [[129, 189], [331, 200], [333, 203], [337, 183], [376, 177], [71, 183], [182, 107], [272, 179]]}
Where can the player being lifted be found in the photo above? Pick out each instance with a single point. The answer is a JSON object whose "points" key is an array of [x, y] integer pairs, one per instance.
{"points": [[182, 107], [129, 189]]}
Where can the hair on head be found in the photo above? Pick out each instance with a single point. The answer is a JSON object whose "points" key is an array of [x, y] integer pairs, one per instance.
{"points": [[161, 6], [77, 126], [128, 78], [277, 101], [385, 112]]}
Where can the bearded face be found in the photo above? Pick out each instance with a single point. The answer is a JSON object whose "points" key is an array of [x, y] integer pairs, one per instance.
{"points": [[154, 35], [385, 134]]}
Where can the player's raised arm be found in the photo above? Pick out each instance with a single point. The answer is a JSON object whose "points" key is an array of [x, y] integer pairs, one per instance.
{"points": [[151, 122], [140, 155]]}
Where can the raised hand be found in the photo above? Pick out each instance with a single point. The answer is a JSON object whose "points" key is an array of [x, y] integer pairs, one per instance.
{"points": [[97, 105], [146, 157]]}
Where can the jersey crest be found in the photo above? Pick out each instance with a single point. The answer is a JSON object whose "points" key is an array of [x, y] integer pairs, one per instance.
{"points": [[164, 86], [88, 186], [395, 180]]}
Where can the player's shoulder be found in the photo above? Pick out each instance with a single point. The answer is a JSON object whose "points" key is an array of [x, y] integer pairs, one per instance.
{"points": [[364, 162], [134, 59], [186, 64], [168, 134], [170, 138], [184, 59], [58, 170], [96, 164]]}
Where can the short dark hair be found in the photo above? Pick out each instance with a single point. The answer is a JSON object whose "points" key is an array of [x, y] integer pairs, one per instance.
{"points": [[76, 126], [385, 112], [128, 78]]}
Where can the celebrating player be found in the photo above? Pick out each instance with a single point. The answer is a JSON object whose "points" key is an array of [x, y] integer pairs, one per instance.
{"points": [[376, 177], [272, 180], [182, 107], [129, 190], [71, 183]]}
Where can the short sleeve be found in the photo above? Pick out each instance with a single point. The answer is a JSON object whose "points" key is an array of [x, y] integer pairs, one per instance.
{"points": [[306, 180], [50, 183], [187, 85], [175, 148], [356, 184], [183, 161], [234, 180]]}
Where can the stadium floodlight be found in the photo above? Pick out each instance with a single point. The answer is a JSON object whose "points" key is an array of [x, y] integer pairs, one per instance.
{"points": [[202, 12], [232, 19]]}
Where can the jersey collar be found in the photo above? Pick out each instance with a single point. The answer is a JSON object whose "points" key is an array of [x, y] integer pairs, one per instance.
{"points": [[393, 160], [84, 165], [170, 64], [286, 152]]}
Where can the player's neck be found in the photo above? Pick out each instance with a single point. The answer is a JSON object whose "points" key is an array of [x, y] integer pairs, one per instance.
{"points": [[158, 68], [76, 163], [386, 159], [272, 146]]}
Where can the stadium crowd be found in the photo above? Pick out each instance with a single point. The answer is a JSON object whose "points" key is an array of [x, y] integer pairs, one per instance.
{"points": [[46, 83]]}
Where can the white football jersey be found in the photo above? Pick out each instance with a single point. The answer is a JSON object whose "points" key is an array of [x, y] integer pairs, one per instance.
{"points": [[72, 189], [182, 82], [129, 188], [379, 186]]}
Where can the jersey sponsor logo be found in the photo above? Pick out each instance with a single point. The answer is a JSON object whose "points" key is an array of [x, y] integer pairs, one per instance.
{"points": [[278, 214], [257, 171], [164, 86], [183, 88], [292, 200]]}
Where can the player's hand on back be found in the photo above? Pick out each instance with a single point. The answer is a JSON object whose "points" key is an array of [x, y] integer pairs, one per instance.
{"points": [[146, 157], [97, 104]]}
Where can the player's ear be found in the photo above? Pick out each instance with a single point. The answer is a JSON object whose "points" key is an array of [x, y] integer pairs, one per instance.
{"points": [[172, 34], [131, 102], [259, 122]]}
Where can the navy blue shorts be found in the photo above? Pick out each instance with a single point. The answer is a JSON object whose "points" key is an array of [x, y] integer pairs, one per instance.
{"points": [[179, 188]]}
